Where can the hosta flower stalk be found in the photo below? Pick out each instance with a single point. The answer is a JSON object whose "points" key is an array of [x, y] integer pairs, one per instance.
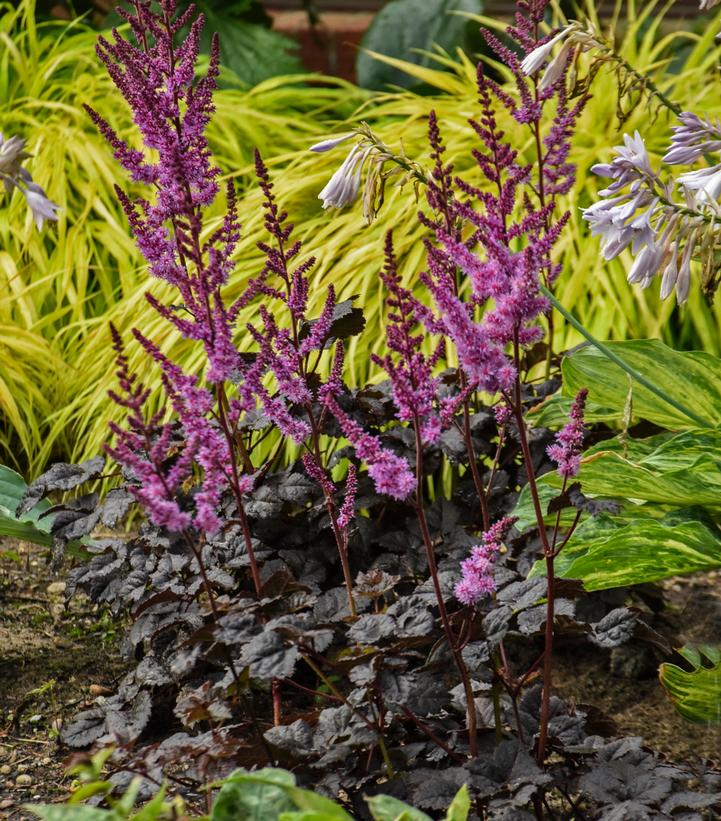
{"points": [[665, 223]]}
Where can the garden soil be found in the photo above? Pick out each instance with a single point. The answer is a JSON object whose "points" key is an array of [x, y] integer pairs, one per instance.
{"points": [[54, 658]]}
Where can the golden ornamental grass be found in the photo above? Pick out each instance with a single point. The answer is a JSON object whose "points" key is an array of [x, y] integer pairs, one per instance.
{"points": [[60, 288]]}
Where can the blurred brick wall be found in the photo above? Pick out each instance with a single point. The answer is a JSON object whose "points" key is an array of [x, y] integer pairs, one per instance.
{"points": [[331, 46]]}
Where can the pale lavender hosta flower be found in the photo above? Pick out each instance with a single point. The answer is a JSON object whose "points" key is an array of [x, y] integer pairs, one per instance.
{"points": [[572, 38], [619, 218], [331, 143], [42, 208], [367, 157], [630, 164], [343, 186], [13, 175], [639, 211], [678, 276], [12, 154], [692, 139], [534, 61], [705, 181]]}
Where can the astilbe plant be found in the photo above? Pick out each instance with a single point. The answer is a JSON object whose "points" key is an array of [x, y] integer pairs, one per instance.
{"points": [[183, 467], [492, 252], [208, 446]]}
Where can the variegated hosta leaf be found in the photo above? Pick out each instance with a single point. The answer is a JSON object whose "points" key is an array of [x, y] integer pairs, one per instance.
{"points": [[696, 694], [678, 470], [553, 412], [692, 378], [656, 535], [612, 552]]}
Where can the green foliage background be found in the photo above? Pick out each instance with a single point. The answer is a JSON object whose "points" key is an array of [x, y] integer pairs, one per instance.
{"points": [[59, 289]]}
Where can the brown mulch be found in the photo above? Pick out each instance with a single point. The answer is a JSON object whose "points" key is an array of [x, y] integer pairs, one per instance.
{"points": [[53, 658]]}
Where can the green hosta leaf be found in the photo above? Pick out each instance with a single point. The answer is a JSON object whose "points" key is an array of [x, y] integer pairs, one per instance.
{"points": [[386, 808], [28, 527], [696, 694], [403, 26], [249, 49], [680, 472], [253, 52], [270, 794], [318, 805], [304, 815], [258, 796], [609, 551], [692, 378], [460, 806], [553, 412]]}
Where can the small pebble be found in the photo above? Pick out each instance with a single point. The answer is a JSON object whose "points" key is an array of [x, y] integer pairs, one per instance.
{"points": [[6, 769], [56, 589], [45, 761], [6, 804], [99, 690], [22, 768], [23, 780]]}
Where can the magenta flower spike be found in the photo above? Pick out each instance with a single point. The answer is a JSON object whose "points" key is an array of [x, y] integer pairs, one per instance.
{"points": [[477, 571], [390, 473], [566, 452], [410, 371]]}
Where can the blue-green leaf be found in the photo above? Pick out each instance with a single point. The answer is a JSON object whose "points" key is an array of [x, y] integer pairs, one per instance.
{"points": [[30, 526], [257, 796], [387, 808], [402, 28]]}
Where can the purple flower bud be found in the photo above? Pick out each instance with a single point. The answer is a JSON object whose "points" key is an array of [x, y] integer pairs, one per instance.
{"points": [[347, 511], [332, 142], [692, 139]]}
